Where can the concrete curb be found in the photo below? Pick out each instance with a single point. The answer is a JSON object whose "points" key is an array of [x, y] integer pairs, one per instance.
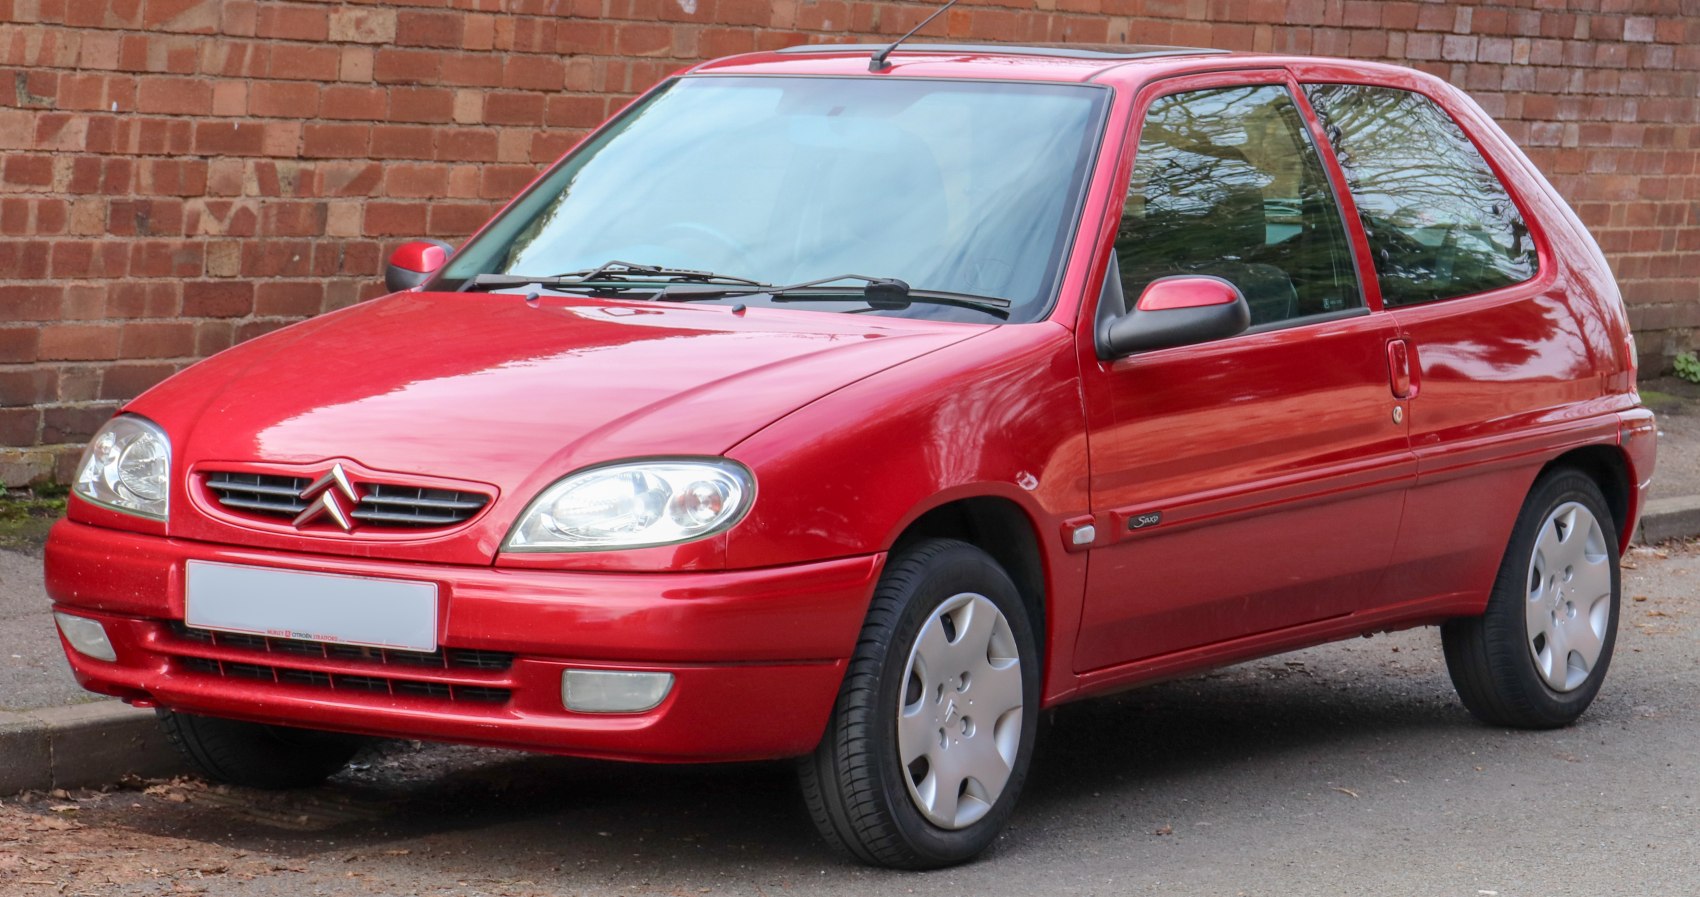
{"points": [[85, 745], [1677, 517]]}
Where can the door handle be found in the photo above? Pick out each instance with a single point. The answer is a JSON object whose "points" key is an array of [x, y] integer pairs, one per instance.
{"points": [[1401, 368]]}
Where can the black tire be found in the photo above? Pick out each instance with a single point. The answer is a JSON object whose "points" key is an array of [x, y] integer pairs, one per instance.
{"points": [[1493, 659], [255, 755], [855, 785]]}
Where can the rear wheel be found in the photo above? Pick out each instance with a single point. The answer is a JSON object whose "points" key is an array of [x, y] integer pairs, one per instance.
{"points": [[930, 739], [256, 755], [1538, 656]]}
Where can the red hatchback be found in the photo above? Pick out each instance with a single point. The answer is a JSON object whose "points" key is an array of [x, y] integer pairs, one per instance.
{"points": [[858, 411]]}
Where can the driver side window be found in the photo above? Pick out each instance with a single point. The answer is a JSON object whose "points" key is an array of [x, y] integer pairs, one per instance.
{"points": [[1227, 183]]}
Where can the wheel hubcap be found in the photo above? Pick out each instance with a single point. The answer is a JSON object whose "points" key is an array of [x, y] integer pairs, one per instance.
{"points": [[959, 723], [1569, 606]]}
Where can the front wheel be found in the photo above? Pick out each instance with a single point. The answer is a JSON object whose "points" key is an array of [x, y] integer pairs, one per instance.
{"points": [[256, 755], [930, 738], [1537, 657]]}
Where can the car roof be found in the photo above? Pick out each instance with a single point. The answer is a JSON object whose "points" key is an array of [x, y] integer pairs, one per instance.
{"points": [[1025, 62]]}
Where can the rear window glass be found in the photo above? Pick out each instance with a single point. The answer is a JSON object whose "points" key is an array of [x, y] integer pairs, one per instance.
{"points": [[1440, 224]]}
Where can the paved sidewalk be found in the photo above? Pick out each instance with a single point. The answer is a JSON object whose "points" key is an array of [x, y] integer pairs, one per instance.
{"points": [[53, 734]]}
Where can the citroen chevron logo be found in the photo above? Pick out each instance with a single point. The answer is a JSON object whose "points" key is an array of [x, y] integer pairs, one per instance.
{"points": [[332, 495]]}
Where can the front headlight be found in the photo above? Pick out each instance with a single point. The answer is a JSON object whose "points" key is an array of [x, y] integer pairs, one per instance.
{"points": [[127, 467], [636, 504]]}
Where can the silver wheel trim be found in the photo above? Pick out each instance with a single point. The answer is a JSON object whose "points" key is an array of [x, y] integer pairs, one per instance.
{"points": [[959, 714], [1568, 591]]}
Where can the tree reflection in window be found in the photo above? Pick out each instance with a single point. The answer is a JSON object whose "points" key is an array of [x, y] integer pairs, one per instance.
{"points": [[1227, 183], [1440, 224]]}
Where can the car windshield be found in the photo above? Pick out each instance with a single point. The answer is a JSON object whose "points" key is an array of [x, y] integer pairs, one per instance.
{"points": [[953, 186]]}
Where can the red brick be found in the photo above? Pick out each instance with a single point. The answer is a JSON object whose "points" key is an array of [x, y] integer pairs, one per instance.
{"points": [[403, 141], [218, 298], [352, 102], [458, 219], [504, 181], [292, 22], [31, 302], [577, 111], [78, 342], [337, 141], [26, 260], [18, 426], [513, 108], [167, 339], [217, 138], [122, 382], [27, 171], [160, 259], [194, 16], [174, 96], [407, 67], [293, 218], [428, 29], [88, 259], [73, 424], [467, 145], [29, 386], [302, 62], [173, 177], [142, 299], [421, 104], [18, 344], [145, 217], [277, 258], [395, 219], [416, 180], [283, 99]]}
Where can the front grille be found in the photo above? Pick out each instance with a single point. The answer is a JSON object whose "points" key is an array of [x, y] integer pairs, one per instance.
{"points": [[352, 668], [381, 504], [443, 658]]}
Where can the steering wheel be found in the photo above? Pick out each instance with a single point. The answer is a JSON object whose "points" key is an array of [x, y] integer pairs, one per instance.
{"points": [[702, 231]]}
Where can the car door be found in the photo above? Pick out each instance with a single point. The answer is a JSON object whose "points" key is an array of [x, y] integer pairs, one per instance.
{"points": [[1254, 483], [1501, 354]]}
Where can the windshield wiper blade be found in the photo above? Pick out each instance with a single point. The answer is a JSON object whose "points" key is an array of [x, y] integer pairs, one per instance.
{"points": [[889, 294], [619, 269], [613, 275], [880, 293]]}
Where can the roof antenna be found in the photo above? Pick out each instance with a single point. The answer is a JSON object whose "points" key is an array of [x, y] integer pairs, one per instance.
{"points": [[878, 63]]}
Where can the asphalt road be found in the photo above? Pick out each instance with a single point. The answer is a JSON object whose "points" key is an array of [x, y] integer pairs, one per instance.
{"points": [[1344, 770]]}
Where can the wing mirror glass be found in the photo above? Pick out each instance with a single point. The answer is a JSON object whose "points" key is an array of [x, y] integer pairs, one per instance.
{"points": [[413, 262], [1176, 311]]}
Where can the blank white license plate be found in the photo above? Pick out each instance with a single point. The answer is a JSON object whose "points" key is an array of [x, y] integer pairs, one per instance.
{"points": [[321, 607]]}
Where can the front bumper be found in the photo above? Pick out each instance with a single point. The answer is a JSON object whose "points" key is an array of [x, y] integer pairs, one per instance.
{"points": [[757, 655]]}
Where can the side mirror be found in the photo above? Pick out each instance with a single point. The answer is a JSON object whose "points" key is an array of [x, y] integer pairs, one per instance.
{"points": [[413, 262], [1176, 311]]}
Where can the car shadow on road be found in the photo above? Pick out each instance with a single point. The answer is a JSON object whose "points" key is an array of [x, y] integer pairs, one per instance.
{"points": [[1116, 748]]}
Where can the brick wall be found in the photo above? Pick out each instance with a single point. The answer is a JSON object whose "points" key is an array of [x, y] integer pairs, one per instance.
{"points": [[180, 175]]}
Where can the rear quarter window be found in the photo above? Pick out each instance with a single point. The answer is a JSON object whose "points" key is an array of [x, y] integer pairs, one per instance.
{"points": [[1440, 223]]}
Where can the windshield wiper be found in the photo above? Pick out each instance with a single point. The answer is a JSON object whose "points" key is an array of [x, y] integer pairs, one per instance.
{"points": [[880, 293], [613, 275]]}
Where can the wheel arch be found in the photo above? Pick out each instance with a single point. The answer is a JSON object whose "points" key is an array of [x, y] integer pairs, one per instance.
{"points": [[1609, 469], [1002, 528]]}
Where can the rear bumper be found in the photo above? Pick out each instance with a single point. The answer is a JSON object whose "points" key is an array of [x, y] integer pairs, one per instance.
{"points": [[757, 655]]}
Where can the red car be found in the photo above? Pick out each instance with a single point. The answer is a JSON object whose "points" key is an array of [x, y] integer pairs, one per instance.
{"points": [[857, 409]]}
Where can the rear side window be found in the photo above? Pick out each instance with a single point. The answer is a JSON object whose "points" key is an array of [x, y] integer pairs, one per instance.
{"points": [[1440, 224]]}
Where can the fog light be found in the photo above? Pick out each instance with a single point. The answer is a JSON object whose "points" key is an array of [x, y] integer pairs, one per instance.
{"points": [[86, 636], [613, 691]]}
